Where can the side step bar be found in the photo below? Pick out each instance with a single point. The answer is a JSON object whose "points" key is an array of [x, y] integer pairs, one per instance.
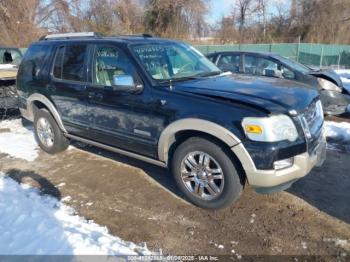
{"points": [[117, 150]]}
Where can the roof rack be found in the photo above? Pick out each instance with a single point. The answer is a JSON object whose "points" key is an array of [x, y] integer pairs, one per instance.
{"points": [[136, 35], [71, 35]]}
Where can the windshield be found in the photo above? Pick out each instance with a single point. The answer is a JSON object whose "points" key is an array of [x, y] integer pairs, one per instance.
{"points": [[173, 61], [295, 65], [10, 56]]}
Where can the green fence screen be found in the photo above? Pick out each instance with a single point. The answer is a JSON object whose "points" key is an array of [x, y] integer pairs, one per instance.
{"points": [[318, 55]]}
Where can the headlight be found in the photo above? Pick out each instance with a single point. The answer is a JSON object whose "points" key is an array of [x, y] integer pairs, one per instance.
{"points": [[270, 129], [328, 85]]}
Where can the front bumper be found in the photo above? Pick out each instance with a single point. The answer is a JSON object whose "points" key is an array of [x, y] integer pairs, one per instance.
{"points": [[278, 180]]}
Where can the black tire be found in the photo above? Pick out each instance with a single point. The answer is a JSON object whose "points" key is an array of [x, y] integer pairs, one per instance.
{"points": [[233, 183], [60, 142]]}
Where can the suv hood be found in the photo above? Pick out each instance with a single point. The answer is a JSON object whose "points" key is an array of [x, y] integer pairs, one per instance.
{"points": [[269, 94], [328, 74]]}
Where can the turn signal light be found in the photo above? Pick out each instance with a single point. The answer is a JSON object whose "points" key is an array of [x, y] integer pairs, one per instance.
{"points": [[254, 129]]}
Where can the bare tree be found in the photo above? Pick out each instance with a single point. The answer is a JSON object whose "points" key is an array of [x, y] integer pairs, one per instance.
{"points": [[243, 8], [180, 19], [21, 21], [227, 32]]}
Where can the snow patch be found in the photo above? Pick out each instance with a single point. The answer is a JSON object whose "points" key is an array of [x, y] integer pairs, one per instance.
{"points": [[32, 224], [7, 66], [345, 77], [343, 243], [19, 142], [338, 135]]}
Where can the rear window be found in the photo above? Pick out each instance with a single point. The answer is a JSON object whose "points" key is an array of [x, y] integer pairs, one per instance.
{"points": [[69, 63], [33, 61]]}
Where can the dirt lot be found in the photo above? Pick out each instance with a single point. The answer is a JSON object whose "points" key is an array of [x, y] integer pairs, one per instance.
{"points": [[138, 202]]}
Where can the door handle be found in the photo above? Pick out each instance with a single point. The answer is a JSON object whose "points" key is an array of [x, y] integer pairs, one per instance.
{"points": [[95, 96], [50, 87]]}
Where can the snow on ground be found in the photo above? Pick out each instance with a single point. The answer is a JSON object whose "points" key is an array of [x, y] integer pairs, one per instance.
{"points": [[33, 224], [345, 77], [338, 135], [7, 66], [19, 142]]}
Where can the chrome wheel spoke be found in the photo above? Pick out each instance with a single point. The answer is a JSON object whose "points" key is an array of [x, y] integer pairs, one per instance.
{"points": [[45, 132], [202, 175], [196, 188], [191, 162], [206, 161], [217, 176], [210, 190], [188, 178], [215, 171], [214, 187]]}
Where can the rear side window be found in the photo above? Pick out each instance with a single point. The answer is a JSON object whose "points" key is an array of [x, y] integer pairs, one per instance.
{"points": [[70, 63], [57, 68], [33, 61], [229, 63], [260, 66], [265, 67]]}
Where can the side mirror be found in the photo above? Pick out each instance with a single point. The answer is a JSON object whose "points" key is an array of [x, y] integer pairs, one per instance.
{"points": [[125, 83]]}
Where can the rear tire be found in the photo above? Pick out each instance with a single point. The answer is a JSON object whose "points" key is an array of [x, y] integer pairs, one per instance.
{"points": [[47, 133], [206, 174]]}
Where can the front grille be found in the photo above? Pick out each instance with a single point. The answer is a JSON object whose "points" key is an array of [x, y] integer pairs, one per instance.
{"points": [[312, 121]]}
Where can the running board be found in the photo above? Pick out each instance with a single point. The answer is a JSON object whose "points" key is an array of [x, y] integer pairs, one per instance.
{"points": [[117, 150]]}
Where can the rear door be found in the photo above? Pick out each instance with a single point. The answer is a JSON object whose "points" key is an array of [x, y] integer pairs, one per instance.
{"points": [[67, 88]]}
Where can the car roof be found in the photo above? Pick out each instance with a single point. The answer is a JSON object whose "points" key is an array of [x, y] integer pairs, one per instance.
{"points": [[266, 54], [127, 39]]}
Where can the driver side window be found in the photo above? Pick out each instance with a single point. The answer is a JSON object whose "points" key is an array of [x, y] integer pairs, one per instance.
{"points": [[110, 61]]}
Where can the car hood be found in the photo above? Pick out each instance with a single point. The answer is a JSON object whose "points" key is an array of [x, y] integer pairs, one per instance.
{"points": [[328, 74], [269, 94]]}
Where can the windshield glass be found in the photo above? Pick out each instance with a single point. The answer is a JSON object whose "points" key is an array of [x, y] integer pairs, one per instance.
{"points": [[10, 56], [173, 61], [295, 65]]}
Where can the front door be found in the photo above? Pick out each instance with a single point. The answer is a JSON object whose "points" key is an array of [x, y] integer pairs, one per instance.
{"points": [[120, 118]]}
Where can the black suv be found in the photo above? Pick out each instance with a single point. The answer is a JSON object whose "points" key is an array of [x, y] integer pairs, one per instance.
{"points": [[163, 102]]}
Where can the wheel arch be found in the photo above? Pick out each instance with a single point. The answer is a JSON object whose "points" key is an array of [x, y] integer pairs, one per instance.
{"points": [[34, 99], [168, 136]]}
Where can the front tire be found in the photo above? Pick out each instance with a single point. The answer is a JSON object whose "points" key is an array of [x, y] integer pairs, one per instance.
{"points": [[206, 174], [47, 133]]}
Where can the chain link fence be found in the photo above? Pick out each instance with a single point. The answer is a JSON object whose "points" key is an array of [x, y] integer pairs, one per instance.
{"points": [[316, 55]]}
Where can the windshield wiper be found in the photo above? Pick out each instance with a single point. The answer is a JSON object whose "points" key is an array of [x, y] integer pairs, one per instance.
{"points": [[207, 74], [179, 79], [193, 77]]}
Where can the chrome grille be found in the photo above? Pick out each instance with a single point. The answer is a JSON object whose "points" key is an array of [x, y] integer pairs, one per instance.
{"points": [[312, 120]]}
